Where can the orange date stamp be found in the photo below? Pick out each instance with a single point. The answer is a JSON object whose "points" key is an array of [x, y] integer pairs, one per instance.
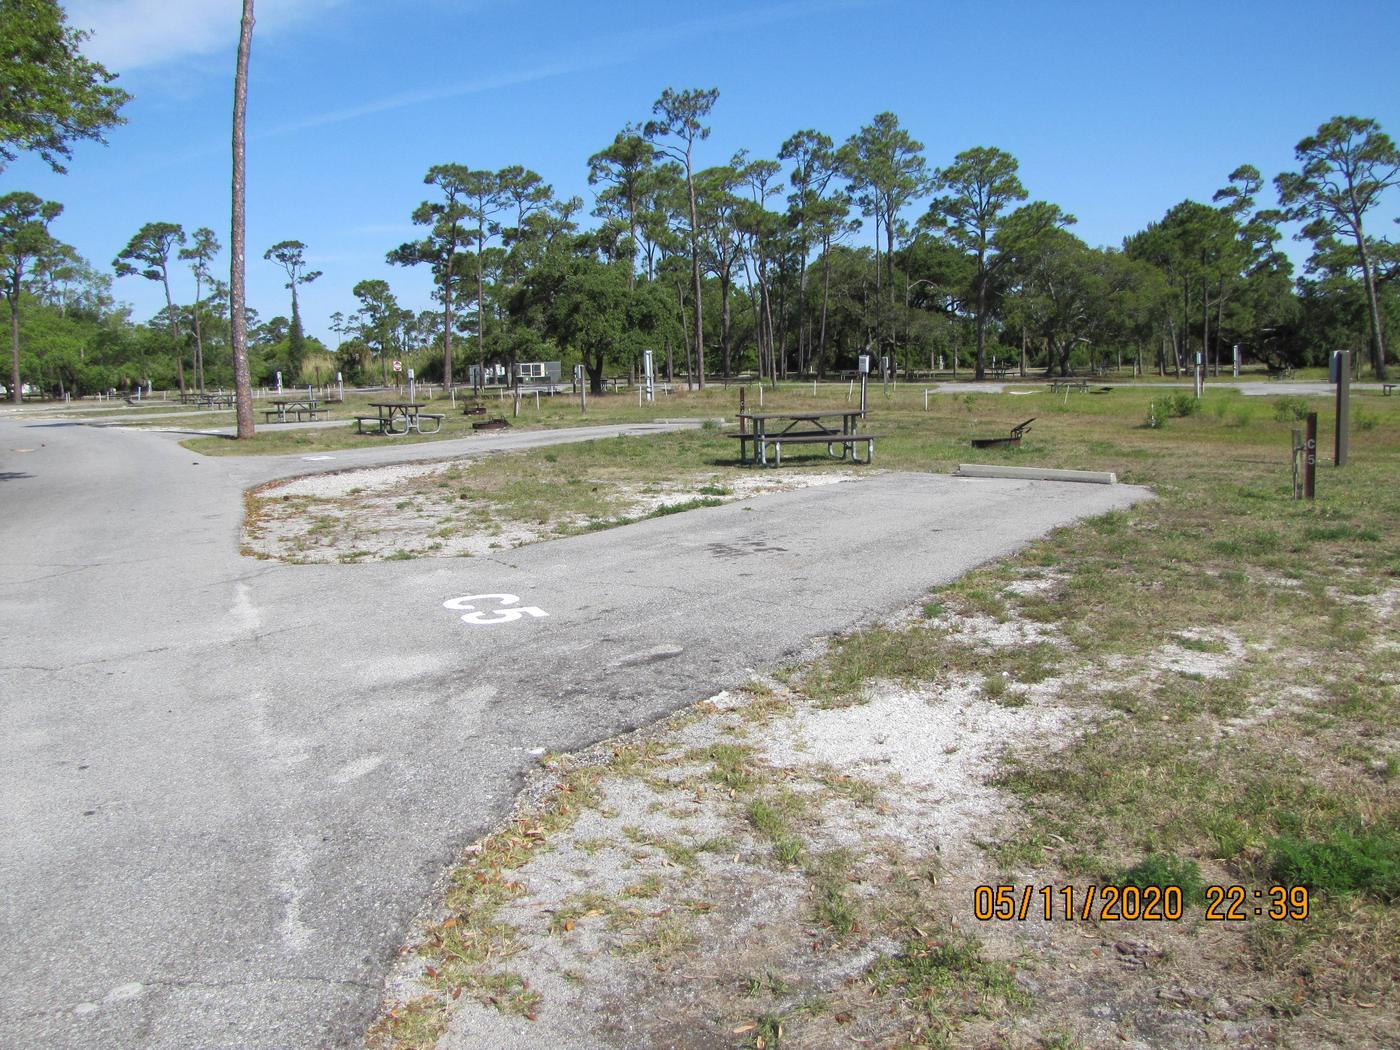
{"points": [[1008, 903]]}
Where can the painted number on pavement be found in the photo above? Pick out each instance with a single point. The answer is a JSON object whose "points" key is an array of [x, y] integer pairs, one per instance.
{"points": [[508, 613]]}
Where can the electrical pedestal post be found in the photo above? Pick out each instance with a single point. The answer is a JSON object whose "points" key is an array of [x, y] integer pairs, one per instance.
{"points": [[864, 366], [1341, 364], [1310, 458]]}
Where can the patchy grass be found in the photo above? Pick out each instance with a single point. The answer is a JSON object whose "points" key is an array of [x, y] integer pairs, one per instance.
{"points": [[945, 977]]}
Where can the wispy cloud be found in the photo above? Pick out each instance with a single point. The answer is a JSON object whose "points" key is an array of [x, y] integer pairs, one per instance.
{"points": [[438, 94], [132, 34], [603, 52]]}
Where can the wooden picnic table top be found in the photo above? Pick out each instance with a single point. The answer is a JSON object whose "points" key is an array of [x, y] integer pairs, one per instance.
{"points": [[292, 401], [398, 404], [823, 414]]}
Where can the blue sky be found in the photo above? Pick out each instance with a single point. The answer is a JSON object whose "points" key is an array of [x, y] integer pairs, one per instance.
{"points": [[1116, 111]]}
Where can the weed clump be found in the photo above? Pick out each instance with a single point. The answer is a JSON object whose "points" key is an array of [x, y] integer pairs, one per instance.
{"points": [[1163, 870], [1344, 862]]}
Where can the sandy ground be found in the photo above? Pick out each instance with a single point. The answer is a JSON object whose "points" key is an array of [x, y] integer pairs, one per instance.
{"points": [[375, 513]]}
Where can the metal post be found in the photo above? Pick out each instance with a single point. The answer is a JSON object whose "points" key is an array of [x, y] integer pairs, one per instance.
{"points": [[1339, 452], [1310, 458], [1237, 360], [1200, 379], [1297, 451]]}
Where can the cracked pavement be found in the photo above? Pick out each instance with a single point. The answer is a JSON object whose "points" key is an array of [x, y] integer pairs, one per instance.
{"points": [[228, 785]]}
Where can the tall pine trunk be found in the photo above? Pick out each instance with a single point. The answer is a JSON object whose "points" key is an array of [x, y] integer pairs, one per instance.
{"points": [[1377, 333], [238, 318], [175, 332]]}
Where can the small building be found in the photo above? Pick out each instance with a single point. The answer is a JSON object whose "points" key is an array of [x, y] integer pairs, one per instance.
{"points": [[539, 372]]}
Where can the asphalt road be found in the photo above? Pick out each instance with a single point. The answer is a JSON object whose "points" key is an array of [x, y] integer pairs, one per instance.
{"points": [[227, 785]]}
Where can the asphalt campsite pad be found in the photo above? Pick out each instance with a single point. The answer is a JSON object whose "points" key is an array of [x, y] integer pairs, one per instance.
{"points": [[260, 770]]}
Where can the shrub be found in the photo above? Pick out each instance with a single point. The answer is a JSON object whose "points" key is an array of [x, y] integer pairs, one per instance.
{"points": [[1290, 409], [1181, 405]]}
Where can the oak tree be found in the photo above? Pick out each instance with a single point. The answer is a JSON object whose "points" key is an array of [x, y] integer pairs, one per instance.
{"points": [[50, 94]]}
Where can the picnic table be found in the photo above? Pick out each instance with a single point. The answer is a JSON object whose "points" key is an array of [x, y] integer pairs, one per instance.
{"points": [[297, 407], [777, 429], [215, 400], [399, 417], [1082, 385]]}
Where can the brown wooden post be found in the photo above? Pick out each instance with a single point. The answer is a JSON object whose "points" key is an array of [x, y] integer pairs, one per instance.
{"points": [[742, 421]]}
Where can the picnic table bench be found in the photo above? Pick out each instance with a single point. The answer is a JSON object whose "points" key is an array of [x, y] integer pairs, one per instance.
{"points": [[1386, 388], [397, 418], [283, 409], [776, 429]]}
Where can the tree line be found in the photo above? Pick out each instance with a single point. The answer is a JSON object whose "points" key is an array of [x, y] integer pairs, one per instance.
{"points": [[786, 265]]}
